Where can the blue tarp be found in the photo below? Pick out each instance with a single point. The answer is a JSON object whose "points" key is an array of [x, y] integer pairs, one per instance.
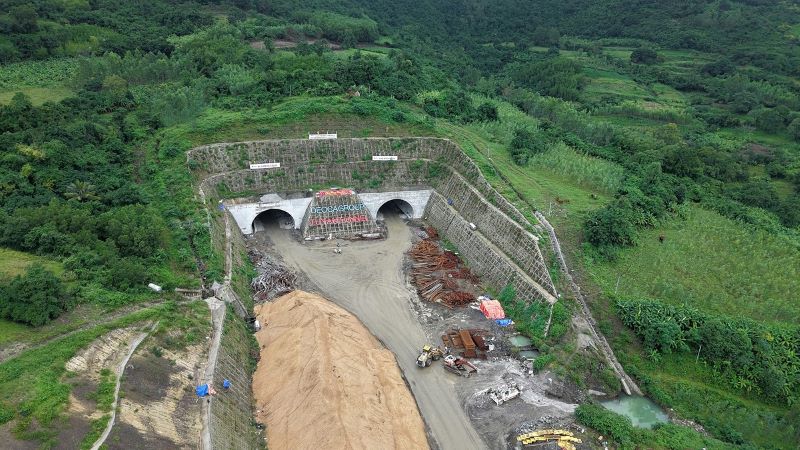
{"points": [[202, 390], [226, 384], [504, 322]]}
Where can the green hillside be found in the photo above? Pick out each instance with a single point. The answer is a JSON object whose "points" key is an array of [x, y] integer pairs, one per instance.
{"points": [[662, 139]]}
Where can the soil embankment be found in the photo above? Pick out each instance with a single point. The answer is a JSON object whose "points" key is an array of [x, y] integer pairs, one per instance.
{"points": [[325, 382]]}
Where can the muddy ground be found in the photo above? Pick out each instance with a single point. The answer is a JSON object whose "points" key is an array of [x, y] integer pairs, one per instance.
{"points": [[368, 278], [159, 408]]}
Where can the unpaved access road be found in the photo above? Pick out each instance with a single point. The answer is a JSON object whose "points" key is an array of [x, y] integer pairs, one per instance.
{"points": [[367, 279]]}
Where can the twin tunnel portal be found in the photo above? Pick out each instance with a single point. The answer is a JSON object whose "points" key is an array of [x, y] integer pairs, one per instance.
{"points": [[340, 211], [282, 219]]}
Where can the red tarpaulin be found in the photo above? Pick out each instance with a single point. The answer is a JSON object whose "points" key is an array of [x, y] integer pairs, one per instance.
{"points": [[492, 309]]}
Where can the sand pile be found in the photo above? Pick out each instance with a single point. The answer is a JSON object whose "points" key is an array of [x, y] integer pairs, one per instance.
{"points": [[325, 382]]}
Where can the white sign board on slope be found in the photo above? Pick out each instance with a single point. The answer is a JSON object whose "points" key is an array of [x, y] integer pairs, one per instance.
{"points": [[265, 166], [319, 136], [384, 158]]}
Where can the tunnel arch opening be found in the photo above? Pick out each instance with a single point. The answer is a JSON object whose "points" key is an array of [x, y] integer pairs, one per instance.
{"points": [[273, 219], [395, 207]]}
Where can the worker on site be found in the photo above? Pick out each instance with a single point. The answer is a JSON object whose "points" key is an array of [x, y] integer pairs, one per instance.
{"points": [[226, 384]]}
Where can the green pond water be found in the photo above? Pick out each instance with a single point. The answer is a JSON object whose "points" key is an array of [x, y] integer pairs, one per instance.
{"points": [[642, 412], [520, 341], [528, 354]]}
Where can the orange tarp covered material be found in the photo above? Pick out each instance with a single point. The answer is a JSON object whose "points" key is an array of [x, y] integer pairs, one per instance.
{"points": [[492, 309]]}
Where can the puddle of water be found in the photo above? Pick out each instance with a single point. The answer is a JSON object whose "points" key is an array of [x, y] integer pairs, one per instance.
{"points": [[642, 412], [528, 354], [520, 341]]}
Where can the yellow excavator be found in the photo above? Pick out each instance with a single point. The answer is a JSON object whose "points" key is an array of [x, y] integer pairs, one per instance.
{"points": [[429, 353]]}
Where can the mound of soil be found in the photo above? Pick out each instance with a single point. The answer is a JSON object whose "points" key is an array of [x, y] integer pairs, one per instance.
{"points": [[324, 381]]}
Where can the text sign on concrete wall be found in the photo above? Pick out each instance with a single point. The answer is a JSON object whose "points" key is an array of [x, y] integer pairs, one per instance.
{"points": [[265, 166], [335, 220], [384, 158], [316, 136]]}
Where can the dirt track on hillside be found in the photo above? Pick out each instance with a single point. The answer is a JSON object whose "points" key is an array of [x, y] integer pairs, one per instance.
{"points": [[367, 279]]}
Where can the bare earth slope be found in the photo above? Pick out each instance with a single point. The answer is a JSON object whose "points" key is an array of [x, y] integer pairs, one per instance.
{"points": [[325, 382]]}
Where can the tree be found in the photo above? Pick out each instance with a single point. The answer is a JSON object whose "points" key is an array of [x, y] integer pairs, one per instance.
{"points": [[794, 129], [767, 119], [644, 55], [135, 229], [613, 225], [34, 298], [81, 191], [24, 19], [487, 112], [527, 143]]}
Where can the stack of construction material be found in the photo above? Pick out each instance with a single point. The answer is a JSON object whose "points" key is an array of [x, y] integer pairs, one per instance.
{"points": [[435, 272], [566, 440], [472, 341]]}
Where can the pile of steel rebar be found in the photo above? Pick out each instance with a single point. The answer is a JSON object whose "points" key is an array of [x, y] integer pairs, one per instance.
{"points": [[434, 272]]}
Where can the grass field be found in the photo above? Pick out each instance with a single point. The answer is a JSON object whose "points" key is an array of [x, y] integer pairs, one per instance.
{"points": [[712, 263], [42, 81], [13, 263], [37, 95]]}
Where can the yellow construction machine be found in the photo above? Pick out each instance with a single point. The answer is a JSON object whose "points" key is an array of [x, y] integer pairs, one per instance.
{"points": [[429, 353]]}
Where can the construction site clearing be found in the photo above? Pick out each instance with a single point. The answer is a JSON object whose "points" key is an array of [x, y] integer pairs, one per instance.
{"points": [[413, 294]]}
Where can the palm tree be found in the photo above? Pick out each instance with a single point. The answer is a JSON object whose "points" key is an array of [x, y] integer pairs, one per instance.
{"points": [[81, 191]]}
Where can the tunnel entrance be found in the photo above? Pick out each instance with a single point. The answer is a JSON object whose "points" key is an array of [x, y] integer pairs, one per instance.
{"points": [[395, 208], [273, 219]]}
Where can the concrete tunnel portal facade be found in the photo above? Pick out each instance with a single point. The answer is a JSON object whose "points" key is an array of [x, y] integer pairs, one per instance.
{"points": [[412, 203], [396, 205], [276, 216]]}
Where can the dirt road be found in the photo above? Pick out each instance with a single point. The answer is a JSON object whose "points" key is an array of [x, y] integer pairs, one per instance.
{"points": [[367, 279]]}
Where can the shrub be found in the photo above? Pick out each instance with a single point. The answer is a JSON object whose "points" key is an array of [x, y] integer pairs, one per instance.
{"points": [[487, 113], [35, 298], [607, 423], [525, 144], [644, 56], [542, 361], [612, 225]]}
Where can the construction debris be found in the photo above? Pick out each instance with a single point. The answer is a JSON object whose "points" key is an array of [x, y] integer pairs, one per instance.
{"points": [[436, 273], [566, 440], [504, 393], [273, 279]]}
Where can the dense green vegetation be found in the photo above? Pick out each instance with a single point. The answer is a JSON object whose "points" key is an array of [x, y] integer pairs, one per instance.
{"points": [[34, 298], [747, 354], [660, 137], [620, 429]]}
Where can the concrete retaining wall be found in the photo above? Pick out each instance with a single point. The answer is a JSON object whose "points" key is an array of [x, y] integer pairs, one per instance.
{"points": [[422, 162], [232, 426], [484, 258], [513, 240], [306, 164]]}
